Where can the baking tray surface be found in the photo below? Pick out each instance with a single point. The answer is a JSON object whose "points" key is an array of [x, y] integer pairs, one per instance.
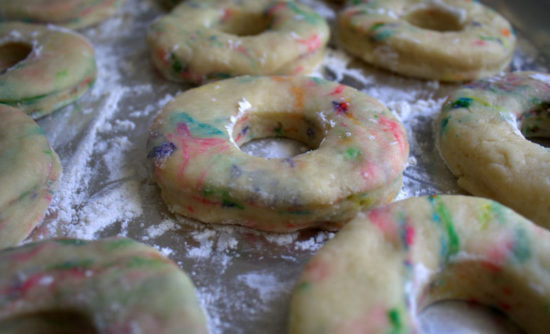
{"points": [[244, 278]]}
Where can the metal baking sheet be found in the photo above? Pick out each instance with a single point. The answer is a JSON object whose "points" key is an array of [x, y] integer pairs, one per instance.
{"points": [[244, 278]]}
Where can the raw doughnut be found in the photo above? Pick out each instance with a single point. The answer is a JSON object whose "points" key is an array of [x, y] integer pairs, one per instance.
{"points": [[68, 13], [388, 264], [111, 285], [29, 169], [43, 68], [448, 40], [214, 39], [481, 144], [359, 152]]}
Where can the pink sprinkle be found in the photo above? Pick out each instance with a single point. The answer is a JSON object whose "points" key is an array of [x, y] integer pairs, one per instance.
{"points": [[396, 131], [382, 219], [317, 270], [30, 283], [226, 14], [338, 90], [298, 70], [500, 251], [312, 43], [409, 235], [191, 146]]}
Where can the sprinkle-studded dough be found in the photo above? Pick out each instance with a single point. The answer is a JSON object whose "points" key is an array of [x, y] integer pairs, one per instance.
{"points": [[448, 40], [479, 139], [214, 39], [59, 68], [29, 169], [387, 264], [113, 285], [67, 13], [359, 152]]}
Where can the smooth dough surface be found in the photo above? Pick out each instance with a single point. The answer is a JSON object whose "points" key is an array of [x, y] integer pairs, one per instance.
{"points": [[216, 39], [447, 40], [389, 263], [58, 70], [29, 170], [72, 14], [112, 285], [479, 139], [358, 153]]}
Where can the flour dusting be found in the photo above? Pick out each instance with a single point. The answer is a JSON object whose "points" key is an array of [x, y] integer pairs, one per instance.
{"points": [[244, 278]]}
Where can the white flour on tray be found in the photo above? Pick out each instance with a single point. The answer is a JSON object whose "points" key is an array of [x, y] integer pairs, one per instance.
{"points": [[243, 277]]}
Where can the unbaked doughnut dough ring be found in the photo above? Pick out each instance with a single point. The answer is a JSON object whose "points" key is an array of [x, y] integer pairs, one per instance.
{"points": [[479, 139], [447, 40], [389, 263], [216, 39], [72, 14], [111, 285], [29, 170], [359, 153], [55, 67]]}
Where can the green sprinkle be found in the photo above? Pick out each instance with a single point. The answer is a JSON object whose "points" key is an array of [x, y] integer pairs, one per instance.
{"points": [[521, 249], [352, 153], [376, 26], [25, 100], [298, 212], [196, 128], [72, 264], [71, 242], [119, 243], [176, 64], [319, 81], [395, 320], [218, 75], [451, 243], [207, 192], [443, 125], [463, 102], [303, 286], [382, 35], [61, 74], [279, 129], [139, 262], [310, 17], [229, 202]]}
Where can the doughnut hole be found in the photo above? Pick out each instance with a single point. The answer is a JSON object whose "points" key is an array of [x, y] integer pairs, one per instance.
{"points": [[242, 24], [435, 18], [535, 124], [49, 322], [276, 135], [490, 287], [465, 317], [12, 53]]}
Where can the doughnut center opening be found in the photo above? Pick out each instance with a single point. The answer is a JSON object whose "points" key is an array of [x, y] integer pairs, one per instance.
{"points": [[435, 18], [276, 135], [502, 298], [12, 53], [244, 24], [49, 322], [452, 316], [535, 124]]}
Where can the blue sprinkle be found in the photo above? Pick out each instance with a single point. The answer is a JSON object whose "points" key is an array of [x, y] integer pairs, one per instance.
{"points": [[289, 161], [161, 152], [236, 172]]}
